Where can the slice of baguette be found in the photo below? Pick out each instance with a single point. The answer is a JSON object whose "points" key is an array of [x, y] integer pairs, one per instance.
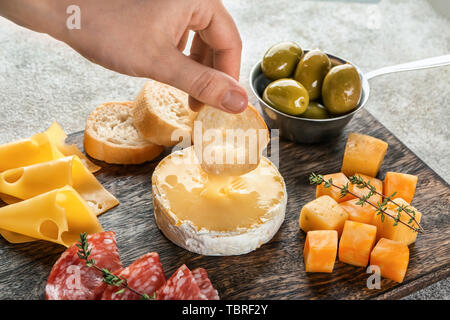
{"points": [[111, 137], [160, 111], [233, 157]]}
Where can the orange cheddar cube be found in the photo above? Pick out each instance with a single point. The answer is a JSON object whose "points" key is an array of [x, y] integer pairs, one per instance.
{"points": [[361, 192], [356, 243], [363, 154], [403, 184], [320, 250], [338, 179], [323, 213], [392, 258], [400, 232], [363, 214]]}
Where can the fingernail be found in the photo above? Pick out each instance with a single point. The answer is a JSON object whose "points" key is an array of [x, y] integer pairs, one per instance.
{"points": [[234, 101]]}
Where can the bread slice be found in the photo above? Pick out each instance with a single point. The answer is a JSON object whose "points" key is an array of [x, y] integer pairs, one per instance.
{"points": [[160, 111], [111, 137], [229, 144], [217, 215]]}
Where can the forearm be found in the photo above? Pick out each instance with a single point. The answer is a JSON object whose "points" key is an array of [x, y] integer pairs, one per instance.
{"points": [[46, 16]]}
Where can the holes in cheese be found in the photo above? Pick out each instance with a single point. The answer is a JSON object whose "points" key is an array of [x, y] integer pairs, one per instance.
{"points": [[49, 229], [58, 216], [27, 182], [13, 175], [58, 137]]}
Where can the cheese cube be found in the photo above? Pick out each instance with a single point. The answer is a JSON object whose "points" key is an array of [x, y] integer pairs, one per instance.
{"points": [[361, 192], [392, 258], [363, 214], [356, 243], [320, 250], [400, 232], [363, 154], [403, 184], [338, 179], [323, 213]]}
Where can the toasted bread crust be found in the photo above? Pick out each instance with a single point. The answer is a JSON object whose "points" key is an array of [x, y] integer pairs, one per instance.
{"points": [[109, 152], [249, 119], [152, 125]]}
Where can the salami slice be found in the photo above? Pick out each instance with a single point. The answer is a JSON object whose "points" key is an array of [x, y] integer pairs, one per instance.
{"points": [[71, 279], [145, 275], [181, 286], [205, 285]]}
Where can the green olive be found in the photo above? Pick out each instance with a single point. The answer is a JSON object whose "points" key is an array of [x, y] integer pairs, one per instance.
{"points": [[287, 95], [341, 89], [315, 111], [311, 70], [280, 60]]}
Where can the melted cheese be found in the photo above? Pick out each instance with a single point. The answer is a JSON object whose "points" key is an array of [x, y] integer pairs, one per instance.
{"points": [[27, 182], [217, 203], [26, 152], [58, 216], [58, 137]]}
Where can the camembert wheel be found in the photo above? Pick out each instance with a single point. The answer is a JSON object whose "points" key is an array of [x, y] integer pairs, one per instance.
{"points": [[215, 215]]}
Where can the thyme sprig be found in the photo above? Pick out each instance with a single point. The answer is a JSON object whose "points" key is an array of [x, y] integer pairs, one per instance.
{"points": [[360, 183], [318, 179], [84, 253]]}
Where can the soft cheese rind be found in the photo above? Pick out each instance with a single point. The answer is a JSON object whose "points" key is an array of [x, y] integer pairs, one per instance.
{"points": [[201, 240]]}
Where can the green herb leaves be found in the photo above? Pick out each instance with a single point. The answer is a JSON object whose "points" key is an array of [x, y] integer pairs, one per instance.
{"points": [[109, 278], [380, 208]]}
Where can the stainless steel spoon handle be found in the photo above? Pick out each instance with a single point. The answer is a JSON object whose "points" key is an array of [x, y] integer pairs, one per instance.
{"points": [[414, 65]]}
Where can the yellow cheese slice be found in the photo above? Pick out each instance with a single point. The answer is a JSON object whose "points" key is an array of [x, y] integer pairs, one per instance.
{"points": [[58, 137], [14, 237], [38, 148], [58, 216], [27, 182]]}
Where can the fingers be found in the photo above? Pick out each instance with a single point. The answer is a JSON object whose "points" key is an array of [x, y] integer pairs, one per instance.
{"points": [[203, 54], [210, 75], [222, 35], [206, 84]]}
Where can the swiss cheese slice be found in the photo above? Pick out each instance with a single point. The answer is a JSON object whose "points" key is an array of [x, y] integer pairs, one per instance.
{"points": [[217, 215], [27, 182], [41, 147], [58, 137], [58, 216], [25, 152]]}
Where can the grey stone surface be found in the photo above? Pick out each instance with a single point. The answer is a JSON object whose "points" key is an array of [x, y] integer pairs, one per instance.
{"points": [[42, 80]]}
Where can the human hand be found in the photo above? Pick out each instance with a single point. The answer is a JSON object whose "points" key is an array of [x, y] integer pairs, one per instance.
{"points": [[146, 39]]}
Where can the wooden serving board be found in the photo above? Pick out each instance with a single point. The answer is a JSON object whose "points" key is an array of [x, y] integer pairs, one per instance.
{"points": [[276, 270]]}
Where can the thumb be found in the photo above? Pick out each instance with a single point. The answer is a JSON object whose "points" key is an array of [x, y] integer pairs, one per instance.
{"points": [[207, 85]]}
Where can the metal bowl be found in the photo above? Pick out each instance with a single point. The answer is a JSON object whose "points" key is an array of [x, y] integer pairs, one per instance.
{"points": [[299, 129]]}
